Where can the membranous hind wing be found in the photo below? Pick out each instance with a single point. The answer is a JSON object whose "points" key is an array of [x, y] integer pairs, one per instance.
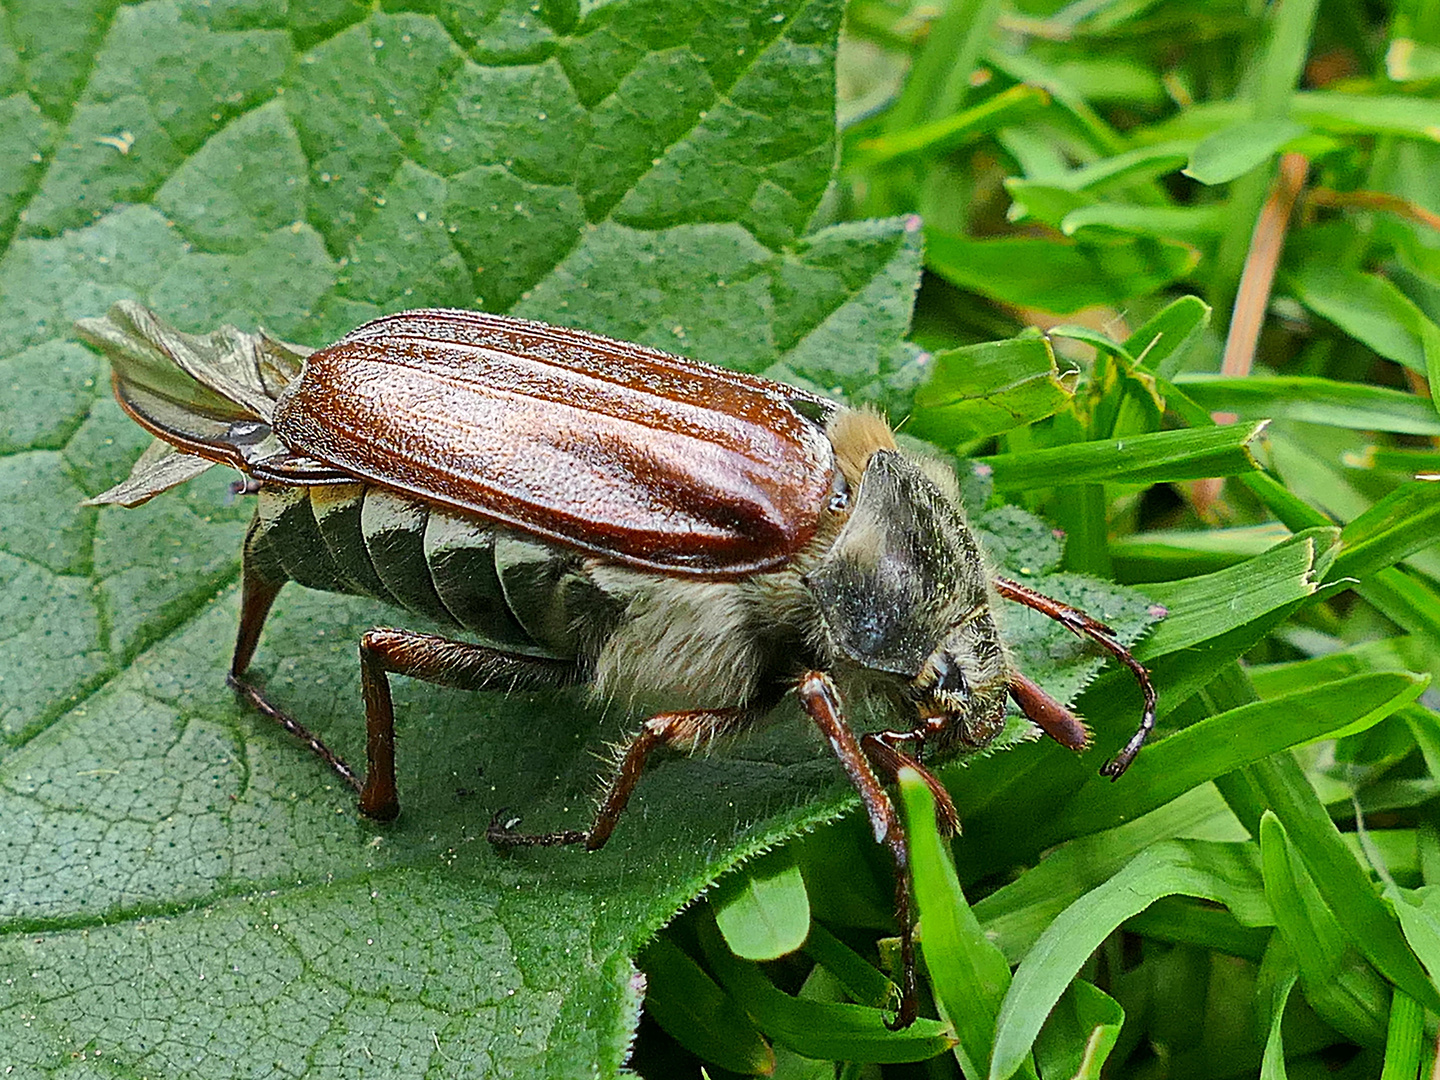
{"points": [[606, 446], [207, 399]]}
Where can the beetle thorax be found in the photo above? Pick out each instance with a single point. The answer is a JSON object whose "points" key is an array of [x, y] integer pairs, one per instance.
{"points": [[903, 592]]}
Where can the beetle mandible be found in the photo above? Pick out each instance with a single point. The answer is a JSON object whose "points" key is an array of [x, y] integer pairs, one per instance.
{"points": [[605, 514]]}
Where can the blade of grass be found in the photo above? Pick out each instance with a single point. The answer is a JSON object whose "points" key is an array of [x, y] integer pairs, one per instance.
{"points": [[1231, 740], [1370, 114], [968, 974], [1163, 342], [1278, 975], [940, 136], [1315, 401], [1015, 915], [1191, 868], [1234, 151], [865, 984], [1370, 309], [1404, 1038], [818, 1029], [1402, 523], [1160, 457], [1183, 921], [1205, 607], [1346, 992], [1390, 459], [940, 75], [698, 1015], [1280, 785], [1080, 1033]]}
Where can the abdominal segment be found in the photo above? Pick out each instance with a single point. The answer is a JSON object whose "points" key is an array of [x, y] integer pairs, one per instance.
{"points": [[459, 570]]}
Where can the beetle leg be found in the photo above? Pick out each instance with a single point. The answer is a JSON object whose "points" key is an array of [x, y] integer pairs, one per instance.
{"points": [[257, 594], [684, 731], [821, 702], [438, 660], [880, 748], [1082, 625]]}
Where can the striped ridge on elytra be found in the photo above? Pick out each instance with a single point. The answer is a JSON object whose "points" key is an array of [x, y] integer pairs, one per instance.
{"points": [[514, 592]]}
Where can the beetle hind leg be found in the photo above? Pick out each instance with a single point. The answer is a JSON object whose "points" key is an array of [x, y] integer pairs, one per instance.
{"points": [[257, 594], [683, 731]]}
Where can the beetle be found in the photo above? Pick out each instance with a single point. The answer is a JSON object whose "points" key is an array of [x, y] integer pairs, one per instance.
{"points": [[603, 514]]}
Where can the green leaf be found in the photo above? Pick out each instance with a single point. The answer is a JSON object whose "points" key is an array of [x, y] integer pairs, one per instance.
{"points": [[1191, 868], [304, 170], [1236, 150], [1213, 604], [1419, 914], [985, 389], [968, 973], [1314, 401], [763, 913], [1158, 457], [698, 1014], [1057, 277]]}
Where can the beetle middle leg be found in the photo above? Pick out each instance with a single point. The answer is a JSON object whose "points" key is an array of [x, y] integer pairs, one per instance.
{"points": [[685, 731], [883, 750], [433, 659]]}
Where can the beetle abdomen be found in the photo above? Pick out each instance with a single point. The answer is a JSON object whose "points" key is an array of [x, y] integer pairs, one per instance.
{"points": [[458, 570]]}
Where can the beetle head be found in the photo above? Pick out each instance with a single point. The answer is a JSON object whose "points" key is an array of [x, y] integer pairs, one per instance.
{"points": [[903, 590]]}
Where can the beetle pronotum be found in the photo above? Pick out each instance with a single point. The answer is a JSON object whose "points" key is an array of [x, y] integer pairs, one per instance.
{"points": [[605, 514]]}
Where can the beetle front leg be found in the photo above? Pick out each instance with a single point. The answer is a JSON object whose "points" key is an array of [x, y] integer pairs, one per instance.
{"points": [[884, 753], [1083, 625], [821, 702], [683, 731]]}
